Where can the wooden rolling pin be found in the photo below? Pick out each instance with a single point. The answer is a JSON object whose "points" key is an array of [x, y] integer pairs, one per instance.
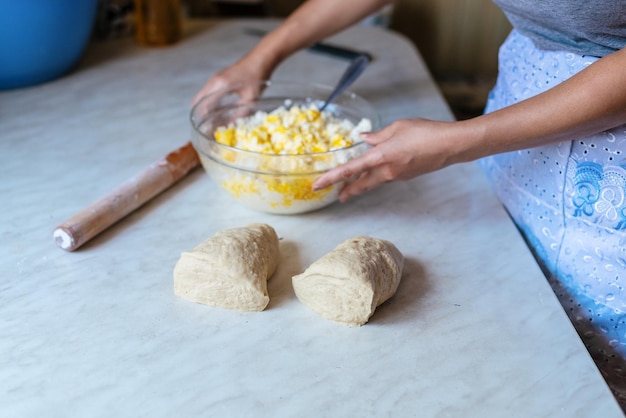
{"points": [[129, 196]]}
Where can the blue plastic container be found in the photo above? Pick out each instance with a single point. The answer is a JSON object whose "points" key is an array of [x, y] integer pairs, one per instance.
{"points": [[41, 40]]}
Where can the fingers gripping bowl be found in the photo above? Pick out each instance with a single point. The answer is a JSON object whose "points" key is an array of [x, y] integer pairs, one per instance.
{"points": [[267, 152]]}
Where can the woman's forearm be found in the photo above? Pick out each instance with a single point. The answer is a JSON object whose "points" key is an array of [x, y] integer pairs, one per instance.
{"points": [[300, 31], [591, 101]]}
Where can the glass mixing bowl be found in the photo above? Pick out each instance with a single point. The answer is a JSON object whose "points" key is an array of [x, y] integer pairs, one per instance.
{"points": [[274, 183]]}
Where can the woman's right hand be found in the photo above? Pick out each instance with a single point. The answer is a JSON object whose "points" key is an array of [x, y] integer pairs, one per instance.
{"points": [[245, 71], [310, 23]]}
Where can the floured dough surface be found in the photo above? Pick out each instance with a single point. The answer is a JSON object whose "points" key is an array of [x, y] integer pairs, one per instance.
{"points": [[348, 283], [229, 270]]}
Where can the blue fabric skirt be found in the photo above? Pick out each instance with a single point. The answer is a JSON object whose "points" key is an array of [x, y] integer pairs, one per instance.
{"points": [[569, 201]]}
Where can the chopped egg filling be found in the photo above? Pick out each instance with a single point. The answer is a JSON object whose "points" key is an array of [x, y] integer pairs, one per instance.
{"points": [[287, 130], [293, 130]]}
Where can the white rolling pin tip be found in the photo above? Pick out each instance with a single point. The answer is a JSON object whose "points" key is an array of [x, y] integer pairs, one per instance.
{"points": [[63, 239]]}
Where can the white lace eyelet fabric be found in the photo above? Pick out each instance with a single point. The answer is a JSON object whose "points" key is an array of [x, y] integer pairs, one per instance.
{"points": [[569, 201]]}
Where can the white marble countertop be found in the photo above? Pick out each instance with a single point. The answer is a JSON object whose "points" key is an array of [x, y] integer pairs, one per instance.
{"points": [[474, 329]]}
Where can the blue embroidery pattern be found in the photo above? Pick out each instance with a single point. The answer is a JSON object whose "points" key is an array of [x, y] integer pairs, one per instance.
{"points": [[600, 191]]}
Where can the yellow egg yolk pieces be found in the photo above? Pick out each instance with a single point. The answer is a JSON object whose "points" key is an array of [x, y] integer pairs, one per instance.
{"points": [[294, 130]]}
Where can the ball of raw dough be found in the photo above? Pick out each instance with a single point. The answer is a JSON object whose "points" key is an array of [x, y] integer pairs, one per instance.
{"points": [[347, 284], [230, 269]]}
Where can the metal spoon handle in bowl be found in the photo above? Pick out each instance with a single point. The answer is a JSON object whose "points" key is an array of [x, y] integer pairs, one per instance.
{"points": [[353, 71]]}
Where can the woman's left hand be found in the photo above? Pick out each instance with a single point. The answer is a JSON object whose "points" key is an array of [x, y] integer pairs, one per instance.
{"points": [[401, 151]]}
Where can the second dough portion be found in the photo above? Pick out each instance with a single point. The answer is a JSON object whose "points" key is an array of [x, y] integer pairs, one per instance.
{"points": [[230, 269], [347, 284]]}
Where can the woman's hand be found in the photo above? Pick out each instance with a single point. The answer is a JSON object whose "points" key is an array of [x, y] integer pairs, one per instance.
{"points": [[245, 71], [309, 23], [401, 151]]}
